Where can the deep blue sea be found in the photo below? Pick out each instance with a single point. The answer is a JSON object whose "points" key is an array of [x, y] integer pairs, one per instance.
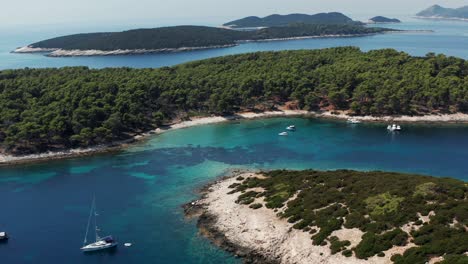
{"points": [[449, 37], [140, 190]]}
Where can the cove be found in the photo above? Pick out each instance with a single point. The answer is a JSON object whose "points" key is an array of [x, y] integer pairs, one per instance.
{"points": [[140, 190]]}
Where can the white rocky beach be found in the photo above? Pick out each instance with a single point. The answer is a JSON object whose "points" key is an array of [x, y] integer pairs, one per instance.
{"points": [[340, 115], [260, 236]]}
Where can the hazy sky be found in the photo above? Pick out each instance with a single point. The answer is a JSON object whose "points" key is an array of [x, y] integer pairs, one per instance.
{"points": [[27, 12]]}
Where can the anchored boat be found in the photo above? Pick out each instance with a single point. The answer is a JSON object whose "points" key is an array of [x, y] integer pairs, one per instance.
{"points": [[354, 121], [3, 236], [99, 243], [393, 127]]}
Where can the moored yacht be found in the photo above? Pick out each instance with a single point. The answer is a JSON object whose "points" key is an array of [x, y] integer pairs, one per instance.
{"points": [[291, 128], [99, 243], [283, 134]]}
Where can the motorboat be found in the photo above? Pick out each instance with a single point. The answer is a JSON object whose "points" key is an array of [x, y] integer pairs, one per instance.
{"points": [[394, 127], [283, 134], [99, 243], [291, 128]]}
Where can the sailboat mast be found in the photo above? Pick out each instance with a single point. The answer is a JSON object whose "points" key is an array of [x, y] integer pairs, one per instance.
{"points": [[96, 229], [89, 221]]}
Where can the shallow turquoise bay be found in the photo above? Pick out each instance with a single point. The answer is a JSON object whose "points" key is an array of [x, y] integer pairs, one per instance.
{"points": [[140, 190]]}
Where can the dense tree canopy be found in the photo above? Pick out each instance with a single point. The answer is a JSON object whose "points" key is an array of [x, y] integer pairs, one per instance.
{"points": [[193, 36], [284, 20], [42, 109], [380, 204]]}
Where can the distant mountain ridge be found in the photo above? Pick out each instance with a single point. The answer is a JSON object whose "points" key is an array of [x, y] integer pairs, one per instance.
{"points": [[437, 11], [382, 19], [284, 20]]}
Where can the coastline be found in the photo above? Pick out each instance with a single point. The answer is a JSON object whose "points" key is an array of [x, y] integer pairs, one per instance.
{"points": [[442, 18], [260, 236], [6, 159], [58, 52]]}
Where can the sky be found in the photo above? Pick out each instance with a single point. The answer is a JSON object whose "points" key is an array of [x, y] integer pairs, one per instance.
{"points": [[172, 12]]}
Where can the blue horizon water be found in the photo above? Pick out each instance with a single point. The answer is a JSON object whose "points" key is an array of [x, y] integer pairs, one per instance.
{"points": [[449, 37], [140, 190]]}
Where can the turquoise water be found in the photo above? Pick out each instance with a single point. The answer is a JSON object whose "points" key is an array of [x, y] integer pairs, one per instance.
{"points": [[450, 37], [140, 190]]}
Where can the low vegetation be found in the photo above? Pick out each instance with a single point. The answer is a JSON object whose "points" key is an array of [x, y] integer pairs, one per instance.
{"points": [[377, 203], [47, 109]]}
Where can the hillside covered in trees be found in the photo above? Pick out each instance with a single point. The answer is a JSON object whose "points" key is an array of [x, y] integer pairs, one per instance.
{"points": [[46, 109], [284, 20], [382, 19], [426, 216], [437, 11], [192, 36]]}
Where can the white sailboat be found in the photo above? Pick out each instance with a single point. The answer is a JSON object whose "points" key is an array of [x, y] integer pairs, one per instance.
{"points": [[99, 243]]}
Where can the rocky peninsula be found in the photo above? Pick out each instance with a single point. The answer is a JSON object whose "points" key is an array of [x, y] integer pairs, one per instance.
{"points": [[330, 217]]}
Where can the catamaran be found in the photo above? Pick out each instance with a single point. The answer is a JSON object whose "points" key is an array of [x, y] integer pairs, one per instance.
{"points": [[99, 243]]}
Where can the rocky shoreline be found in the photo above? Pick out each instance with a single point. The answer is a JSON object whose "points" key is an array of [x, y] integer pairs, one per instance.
{"points": [[206, 224], [57, 52], [442, 18], [259, 236]]}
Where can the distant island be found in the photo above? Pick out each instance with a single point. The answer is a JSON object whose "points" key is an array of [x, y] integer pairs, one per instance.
{"points": [[336, 217], [383, 20], [76, 107], [184, 38], [284, 20], [439, 12]]}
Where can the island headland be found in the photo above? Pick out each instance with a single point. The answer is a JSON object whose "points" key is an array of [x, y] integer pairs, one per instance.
{"points": [[186, 38], [335, 217]]}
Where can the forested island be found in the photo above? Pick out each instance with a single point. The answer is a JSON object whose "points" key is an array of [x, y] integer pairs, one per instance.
{"points": [[336, 217], [182, 38], [54, 109], [276, 20], [439, 12], [383, 20]]}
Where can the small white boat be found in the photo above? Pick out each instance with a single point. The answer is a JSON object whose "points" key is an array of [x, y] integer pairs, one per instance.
{"points": [[394, 127], [354, 121], [283, 134], [291, 128], [128, 244], [3, 236], [99, 243]]}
